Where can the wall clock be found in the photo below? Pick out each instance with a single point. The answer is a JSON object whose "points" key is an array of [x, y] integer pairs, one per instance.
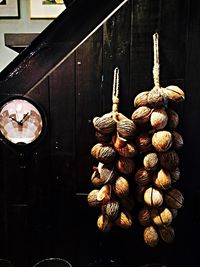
{"points": [[20, 121]]}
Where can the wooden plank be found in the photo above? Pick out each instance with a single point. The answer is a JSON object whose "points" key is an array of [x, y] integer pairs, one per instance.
{"points": [[18, 41], [191, 131], [18, 234], [62, 120], [43, 193], [88, 105], [3, 210], [191, 106], [172, 40], [62, 135], [17, 190], [116, 53], [145, 18]]}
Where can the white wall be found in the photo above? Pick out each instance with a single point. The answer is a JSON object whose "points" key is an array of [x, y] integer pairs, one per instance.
{"points": [[22, 25]]}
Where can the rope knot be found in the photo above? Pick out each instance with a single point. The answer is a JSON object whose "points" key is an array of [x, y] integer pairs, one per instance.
{"points": [[115, 100]]}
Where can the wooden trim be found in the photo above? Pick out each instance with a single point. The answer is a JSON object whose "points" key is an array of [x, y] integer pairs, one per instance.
{"points": [[19, 41]]}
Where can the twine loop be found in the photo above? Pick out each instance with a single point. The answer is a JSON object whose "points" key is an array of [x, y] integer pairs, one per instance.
{"points": [[156, 68], [115, 93]]}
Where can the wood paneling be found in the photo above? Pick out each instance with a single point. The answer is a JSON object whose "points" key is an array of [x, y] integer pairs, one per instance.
{"points": [[145, 21], [116, 53], [44, 204], [88, 104], [62, 121], [191, 132]]}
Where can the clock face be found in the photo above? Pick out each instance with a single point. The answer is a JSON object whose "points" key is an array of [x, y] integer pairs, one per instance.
{"points": [[20, 121]]}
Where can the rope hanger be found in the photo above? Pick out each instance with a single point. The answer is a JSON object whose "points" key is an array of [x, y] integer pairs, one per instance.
{"points": [[115, 93], [156, 68]]}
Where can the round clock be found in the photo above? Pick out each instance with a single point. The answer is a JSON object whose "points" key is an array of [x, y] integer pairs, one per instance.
{"points": [[20, 121]]}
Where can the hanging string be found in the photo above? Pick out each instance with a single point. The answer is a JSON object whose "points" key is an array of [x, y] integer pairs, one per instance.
{"points": [[115, 94], [156, 68]]}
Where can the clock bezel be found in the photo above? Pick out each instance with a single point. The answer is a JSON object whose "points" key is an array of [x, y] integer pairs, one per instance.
{"points": [[41, 112]]}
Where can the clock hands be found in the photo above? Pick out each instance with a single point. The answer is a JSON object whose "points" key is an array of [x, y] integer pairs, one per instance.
{"points": [[12, 118], [22, 120]]}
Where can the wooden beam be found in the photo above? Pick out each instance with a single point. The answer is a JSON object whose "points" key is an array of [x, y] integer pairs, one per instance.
{"points": [[19, 41]]}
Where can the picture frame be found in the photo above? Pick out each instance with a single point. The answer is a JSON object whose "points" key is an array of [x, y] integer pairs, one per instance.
{"points": [[46, 9], [9, 9]]}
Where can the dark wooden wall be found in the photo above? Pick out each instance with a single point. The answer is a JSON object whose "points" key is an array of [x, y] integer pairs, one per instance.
{"points": [[43, 209]]}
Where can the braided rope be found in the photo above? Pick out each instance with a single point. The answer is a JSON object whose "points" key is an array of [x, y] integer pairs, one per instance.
{"points": [[115, 94], [156, 68]]}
